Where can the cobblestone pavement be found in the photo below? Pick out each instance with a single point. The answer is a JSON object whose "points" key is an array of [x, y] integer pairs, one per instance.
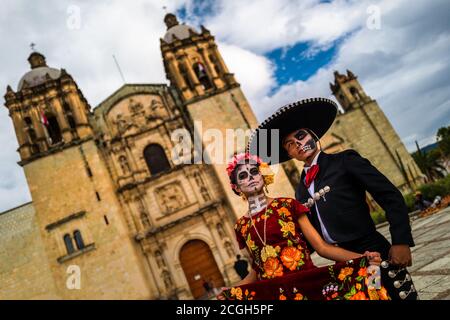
{"points": [[431, 255]]}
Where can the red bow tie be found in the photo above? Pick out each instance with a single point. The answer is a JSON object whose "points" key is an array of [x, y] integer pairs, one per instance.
{"points": [[311, 175]]}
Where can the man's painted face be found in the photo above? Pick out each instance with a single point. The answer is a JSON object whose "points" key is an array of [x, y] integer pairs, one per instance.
{"points": [[300, 144], [248, 179]]}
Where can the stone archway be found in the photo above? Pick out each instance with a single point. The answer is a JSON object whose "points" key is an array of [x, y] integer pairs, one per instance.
{"points": [[198, 264]]}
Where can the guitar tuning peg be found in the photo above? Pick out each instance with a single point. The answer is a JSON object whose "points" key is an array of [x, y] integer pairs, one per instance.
{"points": [[327, 189]]}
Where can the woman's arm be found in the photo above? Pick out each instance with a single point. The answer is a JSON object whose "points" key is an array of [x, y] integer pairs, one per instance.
{"points": [[323, 248]]}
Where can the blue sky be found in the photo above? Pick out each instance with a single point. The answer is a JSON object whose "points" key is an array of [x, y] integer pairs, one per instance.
{"points": [[298, 63], [279, 50]]}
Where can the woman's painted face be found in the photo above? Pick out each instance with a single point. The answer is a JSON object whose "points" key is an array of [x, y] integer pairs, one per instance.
{"points": [[248, 179]]}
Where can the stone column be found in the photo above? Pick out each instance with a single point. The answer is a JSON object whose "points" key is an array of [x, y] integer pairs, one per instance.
{"points": [[42, 137], [191, 74], [173, 69], [211, 70], [24, 146], [78, 110], [229, 78]]}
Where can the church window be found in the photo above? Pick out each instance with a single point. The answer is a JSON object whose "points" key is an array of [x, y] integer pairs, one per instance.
{"points": [[69, 115], [355, 93], [78, 239], [214, 62], [185, 77], [202, 76], [69, 244], [53, 129], [156, 159]]}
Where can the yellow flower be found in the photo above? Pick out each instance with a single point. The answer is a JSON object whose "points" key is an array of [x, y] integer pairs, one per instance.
{"points": [[236, 292], [358, 286], [289, 227]]}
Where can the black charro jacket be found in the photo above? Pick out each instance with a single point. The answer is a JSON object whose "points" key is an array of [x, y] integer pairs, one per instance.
{"points": [[345, 212]]}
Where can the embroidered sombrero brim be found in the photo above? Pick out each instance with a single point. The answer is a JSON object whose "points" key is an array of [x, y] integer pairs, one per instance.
{"points": [[316, 114]]}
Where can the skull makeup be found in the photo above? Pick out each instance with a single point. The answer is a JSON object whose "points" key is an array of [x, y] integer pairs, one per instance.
{"points": [[248, 179], [300, 144]]}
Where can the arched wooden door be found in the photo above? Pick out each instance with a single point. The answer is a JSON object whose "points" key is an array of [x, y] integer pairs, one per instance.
{"points": [[198, 264]]}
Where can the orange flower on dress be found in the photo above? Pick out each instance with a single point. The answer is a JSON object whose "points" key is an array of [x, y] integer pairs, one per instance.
{"points": [[236, 292], [382, 293], [359, 296], [290, 256], [298, 296], [358, 286], [362, 272], [345, 272], [273, 268], [285, 211], [244, 229], [288, 227]]}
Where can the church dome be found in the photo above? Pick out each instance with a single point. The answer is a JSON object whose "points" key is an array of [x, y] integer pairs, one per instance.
{"points": [[37, 76], [180, 31], [39, 72]]}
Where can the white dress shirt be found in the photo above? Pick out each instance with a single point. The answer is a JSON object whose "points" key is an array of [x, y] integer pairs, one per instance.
{"points": [[325, 233]]}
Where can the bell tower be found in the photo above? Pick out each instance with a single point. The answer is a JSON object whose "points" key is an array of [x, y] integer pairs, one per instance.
{"points": [[348, 91], [48, 110], [192, 61], [213, 101], [73, 196], [363, 126]]}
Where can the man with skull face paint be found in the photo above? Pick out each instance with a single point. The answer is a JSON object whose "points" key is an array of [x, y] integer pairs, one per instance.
{"points": [[344, 218], [274, 231]]}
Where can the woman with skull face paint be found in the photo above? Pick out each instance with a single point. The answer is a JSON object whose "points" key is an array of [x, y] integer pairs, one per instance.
{"points": [[274, 231]]}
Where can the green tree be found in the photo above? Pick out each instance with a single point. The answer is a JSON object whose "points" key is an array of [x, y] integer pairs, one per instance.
{"points": [[443, 138], [429, 164]]}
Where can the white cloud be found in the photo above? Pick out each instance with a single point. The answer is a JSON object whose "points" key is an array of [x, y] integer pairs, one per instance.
{"points": [[254, 72], [404, 65]]}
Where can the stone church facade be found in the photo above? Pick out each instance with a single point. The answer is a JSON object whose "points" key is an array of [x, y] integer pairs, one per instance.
{"points": [[114, 215]]}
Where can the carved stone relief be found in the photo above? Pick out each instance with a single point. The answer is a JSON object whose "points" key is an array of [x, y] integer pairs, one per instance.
{"points": [[171, 197]]}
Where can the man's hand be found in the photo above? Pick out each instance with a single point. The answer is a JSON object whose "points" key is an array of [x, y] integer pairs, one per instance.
{"points": [[373, 257], [400, 255]]}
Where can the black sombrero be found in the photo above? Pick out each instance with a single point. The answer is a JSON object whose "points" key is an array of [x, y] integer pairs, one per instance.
{"points": [[316, 114]]}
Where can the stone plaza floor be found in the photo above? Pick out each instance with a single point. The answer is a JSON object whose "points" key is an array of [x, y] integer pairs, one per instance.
{"points": [[431, 255]]}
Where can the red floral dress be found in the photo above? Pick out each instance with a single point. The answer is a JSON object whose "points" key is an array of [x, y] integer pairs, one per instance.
{"points": [[284, 268]]}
